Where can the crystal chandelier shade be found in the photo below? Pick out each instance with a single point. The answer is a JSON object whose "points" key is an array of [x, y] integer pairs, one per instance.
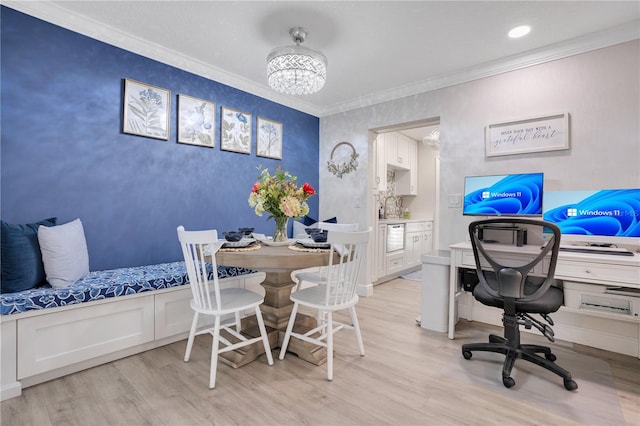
{"points": [[296, 70]]}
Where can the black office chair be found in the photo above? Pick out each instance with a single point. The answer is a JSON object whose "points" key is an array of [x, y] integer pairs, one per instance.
{"points": [[511, 288]]}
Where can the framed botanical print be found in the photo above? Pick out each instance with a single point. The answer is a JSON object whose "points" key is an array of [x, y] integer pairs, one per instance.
{"points": [[269, 139], [146, 110], [196, 121], [235, 132]]}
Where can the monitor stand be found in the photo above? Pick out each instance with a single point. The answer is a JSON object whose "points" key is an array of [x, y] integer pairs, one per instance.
{"points": [[520, 233]]}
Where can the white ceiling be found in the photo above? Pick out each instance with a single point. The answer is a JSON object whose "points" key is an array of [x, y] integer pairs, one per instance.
{"points": [[377, 51]]}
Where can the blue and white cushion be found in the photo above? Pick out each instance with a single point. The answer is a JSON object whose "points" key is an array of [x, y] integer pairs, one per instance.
{"points": [[105, 284]]}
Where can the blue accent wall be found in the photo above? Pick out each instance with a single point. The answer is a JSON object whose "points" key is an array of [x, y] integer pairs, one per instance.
{"points": [[63, 153]]}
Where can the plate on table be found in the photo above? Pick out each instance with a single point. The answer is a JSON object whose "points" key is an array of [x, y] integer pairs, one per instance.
{"points": [[309, 243], [244, 242]]}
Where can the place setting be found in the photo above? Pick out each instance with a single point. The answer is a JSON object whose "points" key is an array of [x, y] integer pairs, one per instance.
{"points": [[316, 240], [241, 240]]}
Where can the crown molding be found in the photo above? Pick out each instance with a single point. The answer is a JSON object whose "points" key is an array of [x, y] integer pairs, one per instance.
{"points": [[616, 35], [56, 15]]}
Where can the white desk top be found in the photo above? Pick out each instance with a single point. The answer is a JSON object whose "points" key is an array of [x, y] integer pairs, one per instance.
{"points": [[563, 255]]}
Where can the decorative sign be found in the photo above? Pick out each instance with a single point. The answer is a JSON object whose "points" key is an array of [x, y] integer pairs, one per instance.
{"points": [[546, 133]]}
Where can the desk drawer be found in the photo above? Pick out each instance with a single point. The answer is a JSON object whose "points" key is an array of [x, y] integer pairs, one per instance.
{"points": [[616, 274], [506, 259]]}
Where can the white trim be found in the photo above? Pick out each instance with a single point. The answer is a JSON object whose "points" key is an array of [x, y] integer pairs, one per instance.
{"points": [[54, 14]]}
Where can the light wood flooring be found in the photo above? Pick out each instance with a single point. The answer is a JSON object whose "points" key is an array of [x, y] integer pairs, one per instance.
{"points": [[402, 380]]}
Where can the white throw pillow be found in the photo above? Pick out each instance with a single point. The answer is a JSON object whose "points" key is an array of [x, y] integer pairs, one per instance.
{"points": [[64, 253]]}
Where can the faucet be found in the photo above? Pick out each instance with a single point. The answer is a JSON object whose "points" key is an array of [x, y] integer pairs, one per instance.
{"points": [[384, 204]]}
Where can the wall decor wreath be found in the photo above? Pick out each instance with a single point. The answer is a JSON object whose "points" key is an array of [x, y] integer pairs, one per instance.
{"points": [[342, 168]]}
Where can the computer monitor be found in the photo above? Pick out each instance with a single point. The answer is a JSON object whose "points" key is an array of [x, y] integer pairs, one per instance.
{"points": [[504, 195], [597, 217]]}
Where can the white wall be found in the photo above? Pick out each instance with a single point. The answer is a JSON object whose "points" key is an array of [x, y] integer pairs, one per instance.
{"points": [[600, 90]]}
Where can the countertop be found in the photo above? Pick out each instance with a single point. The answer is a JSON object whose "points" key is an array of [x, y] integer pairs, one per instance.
{"points": [[400, 220]]}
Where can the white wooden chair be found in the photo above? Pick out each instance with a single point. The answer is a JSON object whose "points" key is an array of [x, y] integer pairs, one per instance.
{"points": [[199, 249], [318, 274], [337, 292]]}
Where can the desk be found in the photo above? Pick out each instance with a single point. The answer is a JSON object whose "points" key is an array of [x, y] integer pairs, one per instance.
{"points": [[613, 332], [278, 263]]}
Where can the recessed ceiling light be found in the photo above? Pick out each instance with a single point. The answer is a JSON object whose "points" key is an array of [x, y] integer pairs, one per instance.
{"points": [[520, 31]]}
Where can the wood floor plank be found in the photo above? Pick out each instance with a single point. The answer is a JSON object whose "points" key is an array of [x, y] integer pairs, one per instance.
{"points": [[404, 379]]}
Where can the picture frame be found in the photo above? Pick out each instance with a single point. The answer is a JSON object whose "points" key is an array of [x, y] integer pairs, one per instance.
{"points": [[526, 135], [146, 110], [235, 131], [269, 138], [196, 121]]}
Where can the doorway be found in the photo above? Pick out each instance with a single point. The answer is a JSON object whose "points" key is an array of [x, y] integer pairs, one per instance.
{"points": [[423, 205]]}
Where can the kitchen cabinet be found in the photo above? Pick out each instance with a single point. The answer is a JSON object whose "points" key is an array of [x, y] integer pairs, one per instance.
{"points": [[381, 163], [395, 263], [397, 150], [427, 238], [407, 180], [418, 240]]}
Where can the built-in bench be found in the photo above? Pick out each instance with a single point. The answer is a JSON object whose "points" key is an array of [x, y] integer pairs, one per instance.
{"points": [[50, 332]]}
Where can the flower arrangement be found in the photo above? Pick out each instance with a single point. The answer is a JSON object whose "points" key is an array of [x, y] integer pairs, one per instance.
{"points": [[280, 196]]}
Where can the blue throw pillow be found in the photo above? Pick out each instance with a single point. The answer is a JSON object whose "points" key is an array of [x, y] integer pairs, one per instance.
{"points": [[308, 221], [22, 266]]}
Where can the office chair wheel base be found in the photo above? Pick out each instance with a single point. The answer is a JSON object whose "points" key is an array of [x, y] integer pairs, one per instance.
{"points": [[508, 382], [550, 357], [569, 384], [466, 354]]}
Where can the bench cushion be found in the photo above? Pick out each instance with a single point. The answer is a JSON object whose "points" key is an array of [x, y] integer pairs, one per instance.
{"points": [[105, 284]]}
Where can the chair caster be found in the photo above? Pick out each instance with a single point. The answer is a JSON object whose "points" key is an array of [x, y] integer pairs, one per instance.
{"points": [[508, 382], [570, 384], [466, 354], [550, 357]]}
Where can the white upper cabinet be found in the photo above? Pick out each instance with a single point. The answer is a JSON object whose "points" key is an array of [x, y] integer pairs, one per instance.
{"points": [[407, 180], [381, 163], [397, 151]]}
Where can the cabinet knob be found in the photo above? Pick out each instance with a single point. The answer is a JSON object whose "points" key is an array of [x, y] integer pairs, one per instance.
{"points": [[588, 271]]}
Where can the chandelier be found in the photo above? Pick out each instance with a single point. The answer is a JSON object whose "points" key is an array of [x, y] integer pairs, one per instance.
{"points": [[296, 70]]}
